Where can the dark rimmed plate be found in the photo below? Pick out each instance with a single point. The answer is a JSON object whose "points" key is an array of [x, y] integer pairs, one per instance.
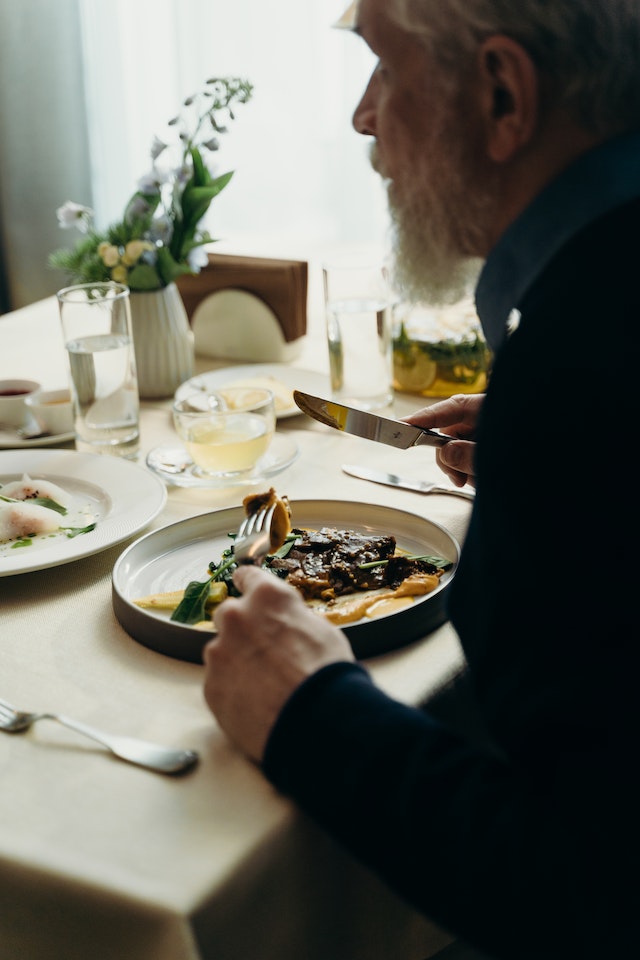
{"points": [[169, 558]]}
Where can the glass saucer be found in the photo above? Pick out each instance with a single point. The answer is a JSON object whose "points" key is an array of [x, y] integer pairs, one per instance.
{"points": [[175, 466]]}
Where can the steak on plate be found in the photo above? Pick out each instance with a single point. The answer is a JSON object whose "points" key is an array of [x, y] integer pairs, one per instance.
{"points": [[327, 563]]}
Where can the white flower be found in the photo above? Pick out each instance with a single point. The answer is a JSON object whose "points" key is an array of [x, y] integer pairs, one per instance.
{"points": [[150, 184], [157, 147], [72, 214], [197, 259]]}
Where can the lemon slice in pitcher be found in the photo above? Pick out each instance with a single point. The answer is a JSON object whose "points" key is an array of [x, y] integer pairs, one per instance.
{"points": [[413, 372]]}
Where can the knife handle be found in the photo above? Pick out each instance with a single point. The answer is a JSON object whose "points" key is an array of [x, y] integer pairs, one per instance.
{"points": [[432, 438], [453, 492]]}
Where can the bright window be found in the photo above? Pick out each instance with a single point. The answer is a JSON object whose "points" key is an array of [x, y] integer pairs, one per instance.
{"points": [[303, 184]]}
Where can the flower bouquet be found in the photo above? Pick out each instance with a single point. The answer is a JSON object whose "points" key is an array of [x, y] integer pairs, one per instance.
{"points": [[159, 237]]}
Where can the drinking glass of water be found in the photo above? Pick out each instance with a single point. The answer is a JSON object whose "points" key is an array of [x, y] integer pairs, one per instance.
{"points": [[96, 326], [226, 432], [359, 333]]}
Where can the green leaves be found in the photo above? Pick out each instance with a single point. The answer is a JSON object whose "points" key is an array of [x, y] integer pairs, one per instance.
{"points": [[196, 198], [39, 501], [439, 563], [191, 608], [145, 277], [168, 267], [71, 532]]}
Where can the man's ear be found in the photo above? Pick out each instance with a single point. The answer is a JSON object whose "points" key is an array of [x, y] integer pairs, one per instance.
{"points": [[510, 96]]}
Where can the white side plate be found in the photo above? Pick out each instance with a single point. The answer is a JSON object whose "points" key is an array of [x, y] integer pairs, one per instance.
{"points": [[123, 496], [284, 380]]}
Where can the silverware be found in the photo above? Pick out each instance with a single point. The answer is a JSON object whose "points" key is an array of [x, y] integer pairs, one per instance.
{"points": [[367, 425], [253, 540], [392, 480], [139, 752]]}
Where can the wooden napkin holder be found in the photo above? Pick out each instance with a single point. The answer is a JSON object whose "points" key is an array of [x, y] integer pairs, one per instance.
{"points": [[247, 308]]}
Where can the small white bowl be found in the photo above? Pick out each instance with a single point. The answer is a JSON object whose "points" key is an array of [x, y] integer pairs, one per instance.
{"points": [[13, 396], [52, 410]]}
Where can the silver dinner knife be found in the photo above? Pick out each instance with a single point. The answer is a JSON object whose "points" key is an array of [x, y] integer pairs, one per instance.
{"points": [[367, 425], [392, 480]]}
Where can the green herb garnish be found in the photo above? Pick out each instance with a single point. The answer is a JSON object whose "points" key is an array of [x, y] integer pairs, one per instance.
{"points": [[191, 608], [439, 562], [40, 502], [76, 531]]}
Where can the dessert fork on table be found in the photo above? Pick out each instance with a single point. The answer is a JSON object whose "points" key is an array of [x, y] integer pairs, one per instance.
{"points": [[151, 756]]}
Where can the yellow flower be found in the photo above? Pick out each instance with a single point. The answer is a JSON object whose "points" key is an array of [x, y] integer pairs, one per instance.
{"points": [[133, 251], [110, 255], [120, 273]]}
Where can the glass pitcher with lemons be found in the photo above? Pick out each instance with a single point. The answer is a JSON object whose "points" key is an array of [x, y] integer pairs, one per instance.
{"points": [[439, 351]]}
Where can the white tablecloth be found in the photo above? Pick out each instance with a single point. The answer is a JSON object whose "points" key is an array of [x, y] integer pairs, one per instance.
{"points": [[100, 859]]}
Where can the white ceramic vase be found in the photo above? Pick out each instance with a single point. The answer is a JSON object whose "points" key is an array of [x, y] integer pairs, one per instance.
{"points": [[163, 341]]}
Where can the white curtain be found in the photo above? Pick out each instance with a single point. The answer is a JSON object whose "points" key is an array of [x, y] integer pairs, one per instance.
{"points": [[303, 185]]}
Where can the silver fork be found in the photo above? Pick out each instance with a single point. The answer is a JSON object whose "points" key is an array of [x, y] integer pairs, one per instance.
{"points": [[140, 752], [253, 540]]}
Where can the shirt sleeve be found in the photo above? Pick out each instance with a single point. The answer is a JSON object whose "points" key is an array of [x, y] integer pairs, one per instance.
{"points": [[444, 821]]}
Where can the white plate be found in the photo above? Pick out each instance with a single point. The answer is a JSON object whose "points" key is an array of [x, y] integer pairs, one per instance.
{"points": [[169, 558], [175, 466], [284, 376], [121, 495], [11, 441]]}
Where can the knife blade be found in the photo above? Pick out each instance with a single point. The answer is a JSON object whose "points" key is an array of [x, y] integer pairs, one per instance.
{"points": [[368, 425], [404, 483]]}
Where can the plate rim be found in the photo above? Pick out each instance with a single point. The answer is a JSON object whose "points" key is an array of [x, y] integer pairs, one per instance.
{"points": [[184, 642], [110, 531], [47, 441], [242, 371]]}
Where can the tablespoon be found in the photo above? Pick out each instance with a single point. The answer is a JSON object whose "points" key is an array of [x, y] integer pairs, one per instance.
{"points": [[139, 752]]}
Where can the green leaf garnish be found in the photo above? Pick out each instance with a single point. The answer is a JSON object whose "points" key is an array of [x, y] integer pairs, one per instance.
{"points": [[191, 608], [440, 562], [40, 502], [76, 531]]}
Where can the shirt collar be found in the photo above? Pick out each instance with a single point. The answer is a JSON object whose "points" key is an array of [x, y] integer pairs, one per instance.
{"points": [[600, 180]]}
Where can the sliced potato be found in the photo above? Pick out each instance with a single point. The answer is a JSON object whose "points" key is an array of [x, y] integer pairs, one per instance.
{"points": [[170, 600]]}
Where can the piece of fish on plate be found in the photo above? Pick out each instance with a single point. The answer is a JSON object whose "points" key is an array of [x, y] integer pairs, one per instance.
{"points": [[23, 519], [28, 489]]}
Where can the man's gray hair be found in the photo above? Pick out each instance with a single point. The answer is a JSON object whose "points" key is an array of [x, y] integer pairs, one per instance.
{"points": [[587, 51]]}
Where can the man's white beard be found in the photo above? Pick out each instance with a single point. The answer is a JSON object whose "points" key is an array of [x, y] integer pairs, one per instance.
{"points": [[436, 229]]}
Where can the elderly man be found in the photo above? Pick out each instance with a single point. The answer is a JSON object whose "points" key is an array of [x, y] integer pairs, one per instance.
{"points": [[508, 132]]}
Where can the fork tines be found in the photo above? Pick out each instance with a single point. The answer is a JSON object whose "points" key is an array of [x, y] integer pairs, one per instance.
{"points": [[256, 522]]}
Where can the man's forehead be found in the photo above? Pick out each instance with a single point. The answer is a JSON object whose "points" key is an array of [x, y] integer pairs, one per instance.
{"points": [[348, 19]]}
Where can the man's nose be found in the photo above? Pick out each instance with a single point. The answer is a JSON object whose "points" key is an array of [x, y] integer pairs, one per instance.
{"points": [[364, 116]]}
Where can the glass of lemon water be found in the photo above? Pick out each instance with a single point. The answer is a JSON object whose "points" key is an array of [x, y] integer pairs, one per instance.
{"points": [[226, 432]]}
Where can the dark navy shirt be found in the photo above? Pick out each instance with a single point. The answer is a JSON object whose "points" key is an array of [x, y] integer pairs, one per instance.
{"points": [[598, 182]]}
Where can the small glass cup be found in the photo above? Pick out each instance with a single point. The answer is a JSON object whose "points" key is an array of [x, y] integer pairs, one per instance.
{"points": [[226, 432], [96, 326]]}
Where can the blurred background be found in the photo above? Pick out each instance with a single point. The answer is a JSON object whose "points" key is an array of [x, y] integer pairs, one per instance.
{"points": [[86, 84]]}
